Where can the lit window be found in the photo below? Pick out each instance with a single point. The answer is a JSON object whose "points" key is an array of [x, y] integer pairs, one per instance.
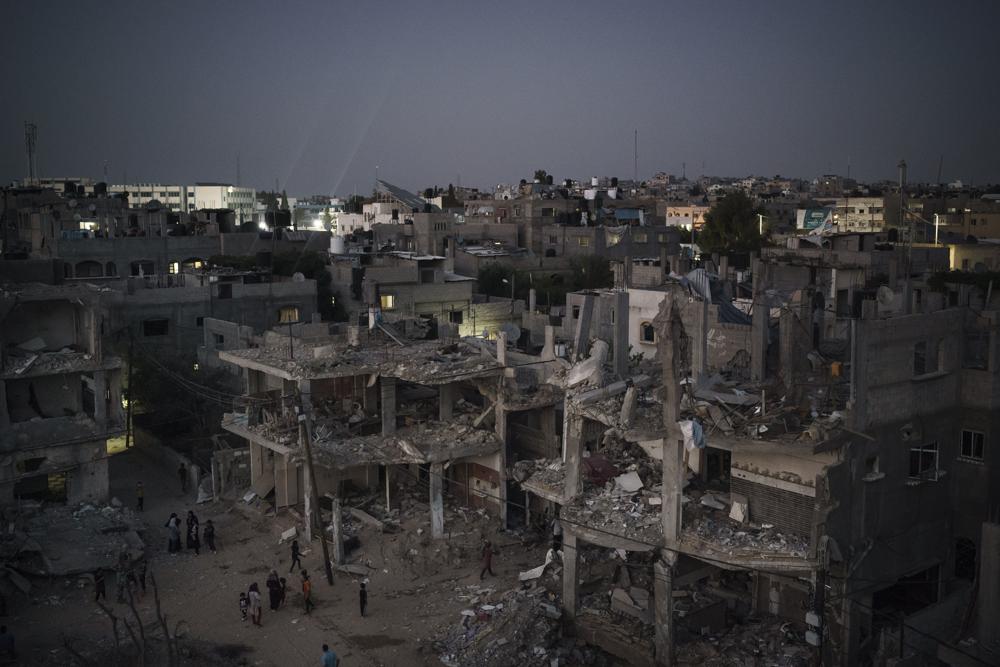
{"points": [[973, 444], [288, 314], [174, 267], [639, 238], [387, 301], [583, 241]]}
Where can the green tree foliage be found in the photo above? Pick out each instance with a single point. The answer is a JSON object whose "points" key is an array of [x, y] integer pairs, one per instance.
{"points": [[591, 272], [731, 225], [268, 199], [354, 204], [284, 201], [541, 175]]}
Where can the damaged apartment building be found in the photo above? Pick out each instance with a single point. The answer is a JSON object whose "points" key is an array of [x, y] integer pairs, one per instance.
{"points": [[821, 491], [383, 408], [60, 393]]}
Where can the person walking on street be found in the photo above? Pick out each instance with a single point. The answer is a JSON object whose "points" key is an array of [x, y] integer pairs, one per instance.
{"points": [[182, 472], [273, 590], [329, 657], [307, 591], [192, 533], [255, 603], [487, 560], [296, 561], [99, 587], [139, 496], [209, 535], [174, 525], [363, 596]]}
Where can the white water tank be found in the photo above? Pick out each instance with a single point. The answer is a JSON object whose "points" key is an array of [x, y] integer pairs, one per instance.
{"points": [[337, 245]]}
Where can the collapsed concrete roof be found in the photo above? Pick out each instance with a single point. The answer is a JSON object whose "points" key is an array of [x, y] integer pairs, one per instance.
{"points": [[55, 363], [430, 362]]}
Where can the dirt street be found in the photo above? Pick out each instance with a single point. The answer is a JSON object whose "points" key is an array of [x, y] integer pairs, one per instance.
{"points": [[413, 589]]}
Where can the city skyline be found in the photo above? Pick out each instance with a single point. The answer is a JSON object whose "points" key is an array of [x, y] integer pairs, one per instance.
{"points": [[317, 96]]}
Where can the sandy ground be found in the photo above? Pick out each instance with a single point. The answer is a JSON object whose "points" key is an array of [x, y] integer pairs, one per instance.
{"points": [[409, 599]]}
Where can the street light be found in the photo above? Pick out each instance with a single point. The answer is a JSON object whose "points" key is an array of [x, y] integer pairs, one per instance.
{"points": [[936, 224], [760, 224], [511, 283]]}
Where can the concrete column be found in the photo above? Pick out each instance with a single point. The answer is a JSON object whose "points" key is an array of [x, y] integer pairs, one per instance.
{"points": [[337, 533], [548, 418], [571, 559], [446, 401], [500, 425], [502, 348], [989, 586], [628, 406], [621, 334], [572, 453], [581, 338], [100, 389], [699, 340], [663, 602], [549, 351], [787, 338], [437, 500], [759, 324], [307, 495], [286, 481], [388, 386], [115, 413], [532, 300], [4, 414], [354, 335]]}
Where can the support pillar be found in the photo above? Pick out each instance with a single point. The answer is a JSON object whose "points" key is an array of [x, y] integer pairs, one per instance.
{"points": [[337, 532], [532, 300], [307, 495], [989, 586], [621, 334], [502, 348], [759, 324], [446, 401], [388, 386], [663, 601], [115, 413], [100, 403], [549, 351], [571, 560], [572, 453], [582, 336], [548, 418], [699, 341], [4, 414], [437, 500], [500, 425]]}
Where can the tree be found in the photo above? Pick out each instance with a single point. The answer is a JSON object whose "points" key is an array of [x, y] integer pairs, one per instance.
{"points": [[731, 225], [591, 272], [284, 201], [354, 204], [428, 193], [541, 175]]}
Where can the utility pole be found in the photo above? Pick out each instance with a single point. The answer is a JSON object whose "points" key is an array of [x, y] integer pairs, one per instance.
{"points": [[131, 392], [635, 158], [30, 140], [307, 443]]}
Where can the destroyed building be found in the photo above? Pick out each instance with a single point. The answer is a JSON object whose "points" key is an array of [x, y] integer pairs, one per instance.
{"points": [[60, 393], [838, 482]]}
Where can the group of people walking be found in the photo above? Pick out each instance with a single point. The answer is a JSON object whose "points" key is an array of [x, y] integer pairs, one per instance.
{"points": [[194, 533], [130, 579], [251, 602]]}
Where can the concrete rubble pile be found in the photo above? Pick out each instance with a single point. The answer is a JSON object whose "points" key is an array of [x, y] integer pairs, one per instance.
{"points": [[546, 473], [520, 627], [757, 642], [708, 516], [64, 541]]}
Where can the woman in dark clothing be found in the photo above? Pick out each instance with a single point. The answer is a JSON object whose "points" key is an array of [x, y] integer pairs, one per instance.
{"points": [[274, 590], [209, 534], [192, 533]]}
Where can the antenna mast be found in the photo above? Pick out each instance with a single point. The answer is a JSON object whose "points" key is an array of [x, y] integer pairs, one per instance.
{"points": [[635, 157], [30, 139]]}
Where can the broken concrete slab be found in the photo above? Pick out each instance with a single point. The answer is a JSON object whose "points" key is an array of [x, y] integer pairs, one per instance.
{"points": [[740, 510], [708, 500], [288, 535], [630, 482]]}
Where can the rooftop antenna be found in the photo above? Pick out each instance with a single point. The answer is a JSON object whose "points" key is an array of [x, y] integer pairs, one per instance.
{"points": [[635, 156], [105, 171], [237, 169], [848, 167], [30, 139]]}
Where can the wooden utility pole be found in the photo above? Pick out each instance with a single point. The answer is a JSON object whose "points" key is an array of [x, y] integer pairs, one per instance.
{"points": [[304, 416], [131, 393]]}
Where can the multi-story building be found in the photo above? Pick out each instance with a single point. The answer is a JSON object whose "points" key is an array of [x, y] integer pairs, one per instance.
{"points": [[189, 198], [60, 393]]}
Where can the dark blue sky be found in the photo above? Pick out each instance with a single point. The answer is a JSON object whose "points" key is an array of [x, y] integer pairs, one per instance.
{"points": [[316, 94]]}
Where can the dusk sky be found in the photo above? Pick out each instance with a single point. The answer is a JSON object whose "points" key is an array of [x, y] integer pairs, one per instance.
{"points": [[317, 94]]}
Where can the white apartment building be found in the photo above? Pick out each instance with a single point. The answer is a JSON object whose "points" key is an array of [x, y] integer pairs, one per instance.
{"points": [[187, 198]]}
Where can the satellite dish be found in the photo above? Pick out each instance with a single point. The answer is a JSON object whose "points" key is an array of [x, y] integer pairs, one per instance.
{"points": [[885, 295], [93, 207], [72, 203], [297, 277], [77, 217], [512, 330]]}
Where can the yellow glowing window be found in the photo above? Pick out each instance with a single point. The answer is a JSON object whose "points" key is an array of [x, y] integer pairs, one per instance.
{"points": [[584, 241], [387, 301]]}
